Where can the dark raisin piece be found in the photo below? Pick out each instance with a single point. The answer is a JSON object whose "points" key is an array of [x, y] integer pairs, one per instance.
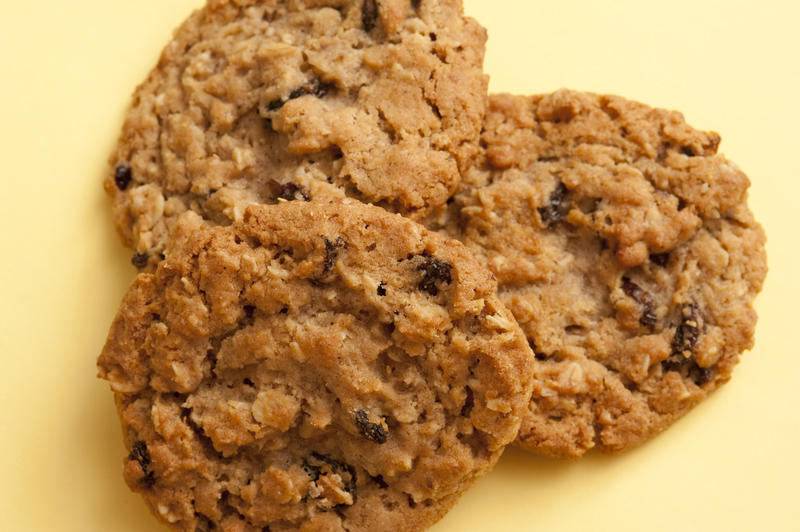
{"points": [[688, 150], [315, 87], [122, 176], [332, 252], [660, 259], [469, 402], [557, 209], [688, 368], [434, 271], [701, 376], [291, 192], [369, 15], [140, 453], [685, 339], [381, 289], [547, 159], [641, 296], [284, 310], [274, 105], [249, 311], [432, 36], [683, 345], [374, 432], [140, 260]]}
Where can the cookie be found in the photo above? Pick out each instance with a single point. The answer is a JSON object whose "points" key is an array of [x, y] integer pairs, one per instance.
{"points": [[623, 245], [313, 367], [259, 100]]}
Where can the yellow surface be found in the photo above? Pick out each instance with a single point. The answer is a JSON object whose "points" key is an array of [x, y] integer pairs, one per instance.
{"points": [[67, 69]]}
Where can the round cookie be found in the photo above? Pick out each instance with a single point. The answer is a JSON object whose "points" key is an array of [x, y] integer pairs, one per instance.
{"points": [[257, 100], [623, 245], [313, 367]]}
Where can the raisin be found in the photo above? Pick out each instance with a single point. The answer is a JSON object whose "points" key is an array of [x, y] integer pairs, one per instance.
{"points": [[685, 339], [557, 209], [315, 88], [641, 296], [688, 150], [683, 345], [140, 453], [690, 368], [701, 376], [374, 432], [122, 176], [381, 289], [547, 159], [369, 15], [661, 259], [434, 270], [140, 260], [274, 105], [291, 192], [332, 252]]}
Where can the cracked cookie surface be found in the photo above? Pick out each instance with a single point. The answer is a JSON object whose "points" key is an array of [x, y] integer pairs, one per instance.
{"points": [[623, 245], [313, 367], [259, 100]]}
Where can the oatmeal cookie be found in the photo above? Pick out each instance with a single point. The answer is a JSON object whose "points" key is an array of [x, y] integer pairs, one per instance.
{"points": [[257, 100], [313, 367], [623, 245]]}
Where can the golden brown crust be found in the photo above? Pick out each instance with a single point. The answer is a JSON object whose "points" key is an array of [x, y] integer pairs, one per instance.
{"points": [[623, 245], [313, 367], [255, 100]]}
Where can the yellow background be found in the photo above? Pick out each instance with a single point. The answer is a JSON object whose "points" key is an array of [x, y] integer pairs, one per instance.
{"points": [[67, 69]]}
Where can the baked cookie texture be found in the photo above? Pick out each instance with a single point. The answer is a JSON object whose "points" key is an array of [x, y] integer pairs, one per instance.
{"points": [[257, 100], [623, 245], [313, 367]]}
